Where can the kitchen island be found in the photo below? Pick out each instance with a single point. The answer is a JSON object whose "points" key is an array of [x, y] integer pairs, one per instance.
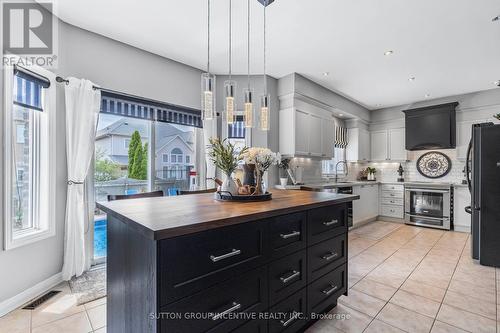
{"points": [[194, 264]]}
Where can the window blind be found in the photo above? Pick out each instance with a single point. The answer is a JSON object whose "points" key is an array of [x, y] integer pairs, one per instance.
{"points": [[236, 130], [136, 107], [341, 140], [28, 89]]}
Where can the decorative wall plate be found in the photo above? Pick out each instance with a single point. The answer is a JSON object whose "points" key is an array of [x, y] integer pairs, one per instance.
{"points": [[434, 164]]}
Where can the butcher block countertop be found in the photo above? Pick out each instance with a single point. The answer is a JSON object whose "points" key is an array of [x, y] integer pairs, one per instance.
{"points": [[167, 217]]}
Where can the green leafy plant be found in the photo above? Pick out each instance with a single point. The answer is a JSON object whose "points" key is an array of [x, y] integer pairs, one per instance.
{"points": [[224, 155], [137, 158], [371, 170], [105, 169], [284, 164], [497, 116]]}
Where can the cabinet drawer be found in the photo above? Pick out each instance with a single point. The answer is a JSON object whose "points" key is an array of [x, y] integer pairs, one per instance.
{"points": [[325, 256], [392, 194], [292, 311], [286, 276], [327, 222], [244, 294], [392, 211], [190, 263], [392, 201], [287, 234], [396, 188], [322, 294], [252, 326]]}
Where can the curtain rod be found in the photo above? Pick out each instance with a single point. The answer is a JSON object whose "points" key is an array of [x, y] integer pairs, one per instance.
{"points": [[60, 79]]}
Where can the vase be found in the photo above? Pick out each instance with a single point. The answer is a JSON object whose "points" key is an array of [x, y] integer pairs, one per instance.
{"points": [[228, 185], [259, 188], [283, 181], [249, 174]]}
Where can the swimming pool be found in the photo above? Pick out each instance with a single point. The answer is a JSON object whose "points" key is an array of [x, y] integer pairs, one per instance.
{"points": [[100, 238]]}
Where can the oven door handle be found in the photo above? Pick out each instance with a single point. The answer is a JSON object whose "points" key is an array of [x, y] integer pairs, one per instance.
{"points": [[428, 217], [426, 190]]}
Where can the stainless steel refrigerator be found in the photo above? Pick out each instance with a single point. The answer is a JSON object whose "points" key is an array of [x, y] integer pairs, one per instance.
{"points": [[483, 177]]}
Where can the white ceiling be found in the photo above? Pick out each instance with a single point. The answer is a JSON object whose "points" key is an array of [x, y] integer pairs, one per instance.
{"points": [[449, 46]]}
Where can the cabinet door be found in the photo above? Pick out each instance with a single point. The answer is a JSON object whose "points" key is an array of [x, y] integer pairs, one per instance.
{"points": [[397, 149], [352, 153], [379, 146], [315, 135], [359, 206], [301, 133], [364, 145], [372, 200], [328, 133]]}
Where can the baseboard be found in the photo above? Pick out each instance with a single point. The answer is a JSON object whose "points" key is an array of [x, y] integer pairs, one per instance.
{"points": [[364, 222], [461, 228], [27, 295], [390, 219]]}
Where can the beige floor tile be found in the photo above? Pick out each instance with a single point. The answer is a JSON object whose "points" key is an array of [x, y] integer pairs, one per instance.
{"points": [[77, 323], [465, 320], [358, 245], [17, 321], [477, 279], [101, 330], [472, 290], [375, 289], [404, 319], [95, 303], [387, 276], [362, 302], [440, 327], [424, 290], [356, 321], [416, 303], [324, 326], [430, 279], [60, 306], [97, 316], [470, 304], [377, 326]]}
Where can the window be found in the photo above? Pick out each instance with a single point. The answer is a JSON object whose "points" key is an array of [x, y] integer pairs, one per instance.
{"points": [[30, 173], [328, 166], [237, 134], [165, 158], [188, 159], [176, 155], [127, 143]]}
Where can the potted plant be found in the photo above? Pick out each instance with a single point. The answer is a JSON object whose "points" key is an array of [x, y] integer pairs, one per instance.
{"points": [[284, 165], [371, 173], [263, 158], [225, 157]]}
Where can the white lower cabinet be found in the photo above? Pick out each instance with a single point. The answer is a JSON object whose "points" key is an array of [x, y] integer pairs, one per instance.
{"points": [[461, 199], [367, 206], [392, 201]]}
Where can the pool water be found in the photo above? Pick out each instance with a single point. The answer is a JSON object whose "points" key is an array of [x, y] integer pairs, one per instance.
{"points": [[100, 238]]}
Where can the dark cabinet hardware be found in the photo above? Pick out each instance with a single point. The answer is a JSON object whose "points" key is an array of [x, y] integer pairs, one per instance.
{"points": [[290, 277], [330, 223], [290, 235], [235, 306], [330, 256], [330, 290], [290, 320], [234, 252]]}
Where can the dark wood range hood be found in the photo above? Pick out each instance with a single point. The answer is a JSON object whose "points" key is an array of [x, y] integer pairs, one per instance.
{"points": [[431, 127]]}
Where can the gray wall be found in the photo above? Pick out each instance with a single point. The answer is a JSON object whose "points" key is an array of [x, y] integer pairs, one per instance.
{"points": [[109, 64]]}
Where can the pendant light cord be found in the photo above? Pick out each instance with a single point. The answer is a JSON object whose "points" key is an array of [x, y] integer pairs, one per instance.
{"points": [[265, 79], [248, 42], [208, 39], [230, 38]]}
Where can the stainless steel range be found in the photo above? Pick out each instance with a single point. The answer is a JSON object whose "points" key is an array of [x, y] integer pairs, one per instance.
{"points": [[429, 204]]}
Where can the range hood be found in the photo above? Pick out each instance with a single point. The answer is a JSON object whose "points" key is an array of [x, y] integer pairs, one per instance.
{"points": [[431, 127]]}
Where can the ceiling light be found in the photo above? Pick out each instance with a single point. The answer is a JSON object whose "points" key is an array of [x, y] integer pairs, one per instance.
{"points": [[248, 92], [427, 95], [341, 114], [265, 98], [208, 81], [412, 78], [388, 52], [496, 18], [497, 83], [326, 73]]}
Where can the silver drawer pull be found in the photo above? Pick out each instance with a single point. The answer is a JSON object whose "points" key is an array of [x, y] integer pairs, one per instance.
{"points": [[330, 290], [393, 195], [330, 223], [292, 318], [233, 253], [235, 306], [290, 277], [290, 235], [330, 256]]}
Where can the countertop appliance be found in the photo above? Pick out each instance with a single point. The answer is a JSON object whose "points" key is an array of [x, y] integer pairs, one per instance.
{"points": [[483, 177], [429, 204]]}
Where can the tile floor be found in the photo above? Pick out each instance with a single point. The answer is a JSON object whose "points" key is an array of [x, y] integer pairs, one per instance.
{"points": [[411, 279], [401, 279]]}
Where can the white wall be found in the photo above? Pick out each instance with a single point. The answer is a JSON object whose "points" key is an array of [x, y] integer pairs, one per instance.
{"points": [[109, 64]]}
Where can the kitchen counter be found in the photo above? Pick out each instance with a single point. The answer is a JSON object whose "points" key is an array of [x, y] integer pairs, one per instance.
{"points": [[166, 217]]}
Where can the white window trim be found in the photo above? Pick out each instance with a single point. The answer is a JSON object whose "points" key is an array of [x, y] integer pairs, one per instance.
{"points": [[45, 224], [248, 131]]}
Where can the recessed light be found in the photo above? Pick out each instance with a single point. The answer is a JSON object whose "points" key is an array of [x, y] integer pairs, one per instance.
{"points": [[411, 78], [326, 73], [341, 114], [496, 18], [427, 95], [388, 52], [497, 83]]}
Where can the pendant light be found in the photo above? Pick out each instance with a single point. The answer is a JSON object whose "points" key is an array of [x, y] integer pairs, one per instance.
{"points": [[248, 92], [230, 85], [264, 99], [208, 82]]}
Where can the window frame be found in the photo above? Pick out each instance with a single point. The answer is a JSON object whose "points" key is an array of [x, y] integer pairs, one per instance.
{"points": [[44, 223]]}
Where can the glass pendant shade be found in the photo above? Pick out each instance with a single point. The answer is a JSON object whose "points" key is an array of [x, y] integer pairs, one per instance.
{"points": [[207, 96], [264, 113], [248, 107], [229, 105]]}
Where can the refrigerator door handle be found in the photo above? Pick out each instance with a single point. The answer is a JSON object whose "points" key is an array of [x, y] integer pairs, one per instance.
{"points": [[468, 209], [467, 166]]}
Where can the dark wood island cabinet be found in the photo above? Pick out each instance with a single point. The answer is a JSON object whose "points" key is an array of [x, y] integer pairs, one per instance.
{"points": [[192, 264]]}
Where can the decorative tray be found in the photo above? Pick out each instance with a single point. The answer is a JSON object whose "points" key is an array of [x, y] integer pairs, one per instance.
{"points": [[227, 196]]}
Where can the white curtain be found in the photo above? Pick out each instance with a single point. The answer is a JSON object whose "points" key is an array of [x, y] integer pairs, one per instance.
{"points": [[209, 131], [82, 112]]}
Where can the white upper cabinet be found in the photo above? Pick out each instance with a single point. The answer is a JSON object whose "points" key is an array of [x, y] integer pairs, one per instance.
{"points": [[388, 145], [307, 134], [358, 147], [379, 146]]}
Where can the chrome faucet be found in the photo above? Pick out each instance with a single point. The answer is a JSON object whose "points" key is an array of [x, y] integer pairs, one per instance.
{"points": [[337, 171]]}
